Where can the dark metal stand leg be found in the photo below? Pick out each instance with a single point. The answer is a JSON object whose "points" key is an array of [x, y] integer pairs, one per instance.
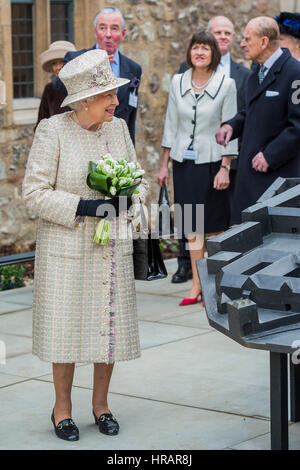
{"points": [[295, 390], [279, 401]]}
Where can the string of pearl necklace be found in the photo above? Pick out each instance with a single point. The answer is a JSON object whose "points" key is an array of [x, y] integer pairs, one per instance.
{"points": [[204, 85]]}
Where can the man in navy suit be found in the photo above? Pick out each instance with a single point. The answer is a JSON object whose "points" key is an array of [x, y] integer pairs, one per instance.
{"points": [[270, 123], [110, 31], [223, 30]]}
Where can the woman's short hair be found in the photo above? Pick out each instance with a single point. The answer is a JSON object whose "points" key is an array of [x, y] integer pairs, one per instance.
{"points": [[204, 37], [79, 105]]}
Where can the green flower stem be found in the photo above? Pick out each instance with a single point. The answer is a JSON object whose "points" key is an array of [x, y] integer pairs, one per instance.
{"points": [[102, 235]]}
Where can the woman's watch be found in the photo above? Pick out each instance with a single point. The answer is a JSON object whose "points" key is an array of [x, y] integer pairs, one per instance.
{"points": [[227, 167]]}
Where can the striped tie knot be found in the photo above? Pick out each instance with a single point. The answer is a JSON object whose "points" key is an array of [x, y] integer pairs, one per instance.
{"points": [[261, 73]]}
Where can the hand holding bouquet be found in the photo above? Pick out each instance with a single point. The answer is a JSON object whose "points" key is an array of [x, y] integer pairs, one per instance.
{"points": [[113, 178]]}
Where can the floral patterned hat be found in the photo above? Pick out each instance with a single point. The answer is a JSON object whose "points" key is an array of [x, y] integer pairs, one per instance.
{"points": [[87, 75]]}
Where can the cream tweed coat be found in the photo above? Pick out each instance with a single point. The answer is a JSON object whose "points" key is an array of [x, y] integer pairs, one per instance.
{"points": [[84, 307]]}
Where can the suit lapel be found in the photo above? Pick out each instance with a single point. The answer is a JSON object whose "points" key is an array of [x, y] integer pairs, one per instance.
{"points": [[234, 73], [258, 89], [124, 73]]}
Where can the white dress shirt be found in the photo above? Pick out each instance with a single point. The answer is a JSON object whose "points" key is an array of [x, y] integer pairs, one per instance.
{"points": [[224, 65], [271, 60]]}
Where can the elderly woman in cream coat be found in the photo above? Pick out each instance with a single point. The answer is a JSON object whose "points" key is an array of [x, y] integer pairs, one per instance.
{"points": [[199, 101], [84, 295]]}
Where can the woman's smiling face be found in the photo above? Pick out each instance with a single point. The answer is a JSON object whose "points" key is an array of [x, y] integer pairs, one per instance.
{"points": [[103, 107], [201, 55]]}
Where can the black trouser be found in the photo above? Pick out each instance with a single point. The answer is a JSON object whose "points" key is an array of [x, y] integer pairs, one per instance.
{"points": [[184, 258]]}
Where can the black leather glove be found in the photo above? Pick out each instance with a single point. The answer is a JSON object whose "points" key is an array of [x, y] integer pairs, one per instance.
{"points": [[89, 207]]}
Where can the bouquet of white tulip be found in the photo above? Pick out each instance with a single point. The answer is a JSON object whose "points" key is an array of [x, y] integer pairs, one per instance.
{"points": [[113, 178]]}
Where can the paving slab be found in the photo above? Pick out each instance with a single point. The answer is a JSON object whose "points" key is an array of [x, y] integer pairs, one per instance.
{"points": [[171, 265], [208, 391], [144, 424], [162, 286], [159, 307], [26, 365], [182, 293], [17, 323], [154, 334], [15, 345], [6, 379], [7, 307], [22, 295], [263, 442], [151, 335], [194, 320], [208, 371]]}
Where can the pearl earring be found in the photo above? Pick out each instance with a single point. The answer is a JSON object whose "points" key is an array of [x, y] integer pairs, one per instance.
{"points": [[86, 108]]}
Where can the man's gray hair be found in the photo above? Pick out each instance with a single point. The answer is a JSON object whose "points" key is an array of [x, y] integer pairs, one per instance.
{"points": [[266, 26], [109, 11]]}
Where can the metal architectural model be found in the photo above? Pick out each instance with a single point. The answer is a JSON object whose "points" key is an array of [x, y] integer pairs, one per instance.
{"points": [[251, 278], [251, 285]]}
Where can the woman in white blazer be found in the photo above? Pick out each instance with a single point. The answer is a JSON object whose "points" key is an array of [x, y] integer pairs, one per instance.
{"points": [[199, 101]]}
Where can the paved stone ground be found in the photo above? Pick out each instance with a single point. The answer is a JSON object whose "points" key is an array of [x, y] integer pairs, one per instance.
{"points": [[193, 388]]}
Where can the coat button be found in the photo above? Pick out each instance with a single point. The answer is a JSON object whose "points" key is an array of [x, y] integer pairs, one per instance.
{"points": [[191, 136], [193, 122], [194, 107]]}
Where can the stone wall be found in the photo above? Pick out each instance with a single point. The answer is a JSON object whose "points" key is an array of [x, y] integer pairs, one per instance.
{"points": [[158, 35], [162, 30]]}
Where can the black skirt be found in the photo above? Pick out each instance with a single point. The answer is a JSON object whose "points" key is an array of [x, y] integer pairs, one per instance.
{"points": [[193, 185]]}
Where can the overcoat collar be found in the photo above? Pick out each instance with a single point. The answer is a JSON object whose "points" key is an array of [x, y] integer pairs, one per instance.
{"points": [[255, 88], [212, 88]]}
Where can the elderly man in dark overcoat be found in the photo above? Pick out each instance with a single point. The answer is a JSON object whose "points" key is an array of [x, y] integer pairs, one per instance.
{"points": [[270, 123]]}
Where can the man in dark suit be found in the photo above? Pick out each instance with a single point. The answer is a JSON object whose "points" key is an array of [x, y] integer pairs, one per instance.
{"points": [[223, 30], [110, 31], [270, 123]]}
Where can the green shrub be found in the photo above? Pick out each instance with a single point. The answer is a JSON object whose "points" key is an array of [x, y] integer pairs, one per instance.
{"points": [[169, 245], [11, 276]]}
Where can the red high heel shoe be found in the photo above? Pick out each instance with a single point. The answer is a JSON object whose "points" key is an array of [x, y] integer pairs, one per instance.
{"points": [[191, 301]]}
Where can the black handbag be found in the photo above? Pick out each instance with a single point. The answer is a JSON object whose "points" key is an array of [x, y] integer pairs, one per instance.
{"points": [[147, 258], [165, 219]]}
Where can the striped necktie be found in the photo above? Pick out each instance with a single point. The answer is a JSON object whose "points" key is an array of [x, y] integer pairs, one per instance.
{"points": [[261, 73]]}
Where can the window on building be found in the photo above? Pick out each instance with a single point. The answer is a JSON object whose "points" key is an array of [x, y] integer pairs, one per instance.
{"points": [[22, 48], [61, 20], [289, 5]]}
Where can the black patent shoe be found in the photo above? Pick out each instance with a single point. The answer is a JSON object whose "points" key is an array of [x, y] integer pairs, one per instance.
{"points": [[107, 424], [66, 429], [182, 274]]}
